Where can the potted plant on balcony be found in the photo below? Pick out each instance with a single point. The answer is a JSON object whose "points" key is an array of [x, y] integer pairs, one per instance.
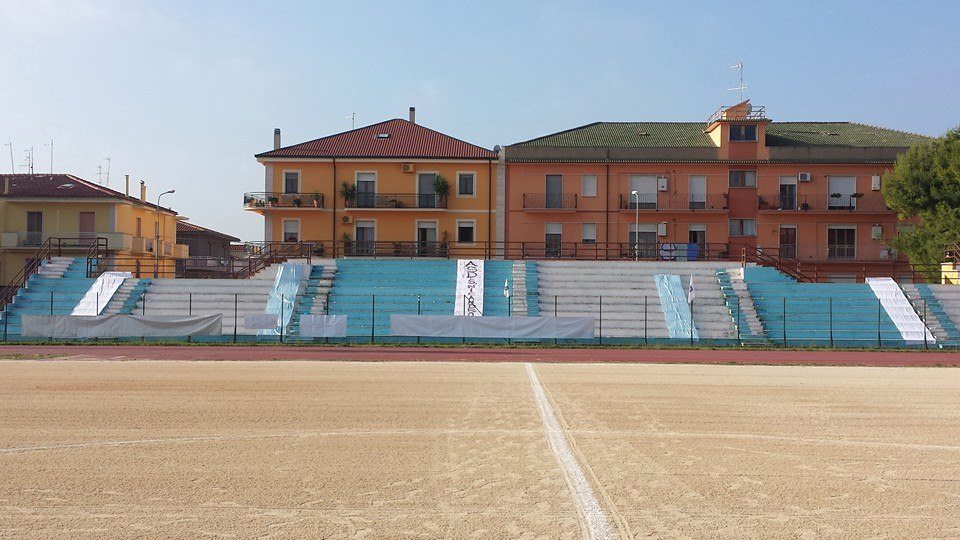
{"points": [[316, 200], [348, 192], [805, 206], [442, 188], [762, 203], [298, 202], [443, 244], [345, 240], [273, 200]]}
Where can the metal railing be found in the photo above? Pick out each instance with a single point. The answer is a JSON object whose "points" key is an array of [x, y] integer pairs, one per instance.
{"points": [[267, 199], [550, 201], [665, 201], [397, 200], [822, 203], [752, 112]]}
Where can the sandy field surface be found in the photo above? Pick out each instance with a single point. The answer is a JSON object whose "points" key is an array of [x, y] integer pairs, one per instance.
{"points": [[98, 449]]}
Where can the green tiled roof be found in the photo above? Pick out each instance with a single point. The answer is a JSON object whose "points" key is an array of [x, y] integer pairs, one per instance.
{"points": [[691, 135]]}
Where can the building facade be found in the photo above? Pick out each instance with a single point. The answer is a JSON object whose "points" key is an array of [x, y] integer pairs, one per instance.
{"points": [[75, 214], [378, 190], [806, 194]]}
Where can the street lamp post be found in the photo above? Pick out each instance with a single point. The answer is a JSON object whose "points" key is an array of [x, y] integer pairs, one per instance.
{"points": [[156, 243], [636, 226]]}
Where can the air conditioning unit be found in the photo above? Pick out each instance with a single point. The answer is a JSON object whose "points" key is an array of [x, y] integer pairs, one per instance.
{"points": [[875, 182], [662, 183], [804, 177], [346, 220], [407, 167], [662, 228], [876, 232]]}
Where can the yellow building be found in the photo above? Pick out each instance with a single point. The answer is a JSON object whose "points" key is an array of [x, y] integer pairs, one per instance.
{"points": [[374, 191], [74, 217]]}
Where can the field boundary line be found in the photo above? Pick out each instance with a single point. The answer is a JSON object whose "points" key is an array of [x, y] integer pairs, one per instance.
{"points": [[598, 523]]}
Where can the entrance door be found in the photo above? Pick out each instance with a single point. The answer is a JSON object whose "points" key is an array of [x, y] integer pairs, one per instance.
{"points": [[553, 238], [365, 240], [554, 191], [698, 192], [788, 242], [366, 190], [696, 241], [34, 229], [643, 240], [87, 228], [427, 239], [788, 192], [426, 194]]}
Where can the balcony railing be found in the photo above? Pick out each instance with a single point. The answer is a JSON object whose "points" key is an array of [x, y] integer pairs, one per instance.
{"points": [[823, 203], [550, 201], [727, 112], [397, 200], [66, 239], [265, 199], [871, 251], [666, 201]]}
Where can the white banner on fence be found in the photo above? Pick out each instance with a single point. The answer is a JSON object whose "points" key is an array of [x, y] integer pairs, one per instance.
{"points": [[897, 306], [260, 321], [469, 288], [99, 294], [323, 326], [492, 327], [120, 326]]}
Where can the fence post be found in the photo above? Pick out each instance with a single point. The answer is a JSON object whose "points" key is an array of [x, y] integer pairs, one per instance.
{"points": [[281, 318], [830, 304], [418, 312], [601, 320], [784, 321], [6, 318], [739, 343], [373, 316], [190, 303], [645, 298], [879, 315], [51, 302], [691, 322], [925, 344], [98, 302], [554, 314], [143, 306], [236, 302]]}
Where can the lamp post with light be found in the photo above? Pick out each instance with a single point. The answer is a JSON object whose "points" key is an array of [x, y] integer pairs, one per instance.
{"points": [[636, 226], [156, 244]]}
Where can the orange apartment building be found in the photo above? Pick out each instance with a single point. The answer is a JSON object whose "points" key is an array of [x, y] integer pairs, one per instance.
{"points": [[803, 194], [373, 191]]}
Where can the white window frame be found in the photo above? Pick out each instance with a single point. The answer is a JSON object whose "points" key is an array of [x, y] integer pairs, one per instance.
{"points": [[583, 238], [467, 196], [473, 224], [416, 180], [583, 191], [283, 180], [376, 179], [283, 229], [357, 222]]}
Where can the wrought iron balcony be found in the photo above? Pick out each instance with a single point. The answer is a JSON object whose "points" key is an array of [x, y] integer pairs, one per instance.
{"points": [[397, 200], [266, 199], [550, 201], [666, 201], [857, 202]]}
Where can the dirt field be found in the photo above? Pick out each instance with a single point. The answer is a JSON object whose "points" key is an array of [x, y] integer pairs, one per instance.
{"points": [[96, 449]]}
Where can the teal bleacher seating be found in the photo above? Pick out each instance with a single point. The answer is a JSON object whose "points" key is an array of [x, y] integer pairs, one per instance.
{"points": [[36, 298]]}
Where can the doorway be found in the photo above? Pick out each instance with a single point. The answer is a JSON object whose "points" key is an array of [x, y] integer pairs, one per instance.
{"points": [[788, 192], [554, 190], [788, 241], [696, 241], [34, 229], [427, 238], [87, 228], [426, 194], [364, 233]]}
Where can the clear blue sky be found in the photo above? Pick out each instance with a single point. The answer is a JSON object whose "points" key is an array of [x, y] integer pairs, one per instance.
{"points": [[182, 94]]}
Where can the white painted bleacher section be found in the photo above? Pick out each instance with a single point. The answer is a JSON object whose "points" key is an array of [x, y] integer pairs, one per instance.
{"points": [[211, 297], [623, 286]]}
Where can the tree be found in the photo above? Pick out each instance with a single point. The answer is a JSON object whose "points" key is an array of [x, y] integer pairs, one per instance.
{"points": [[925, 187]]}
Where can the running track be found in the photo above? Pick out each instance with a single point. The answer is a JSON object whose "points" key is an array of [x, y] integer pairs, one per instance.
{"points": [[413, 354]]}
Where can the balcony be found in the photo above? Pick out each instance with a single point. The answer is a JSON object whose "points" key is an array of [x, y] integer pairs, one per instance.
{"points": [[871, 202], [397, 200], [668, 202], [266, 199], [870, 251], [66, 239], [550, 201]]}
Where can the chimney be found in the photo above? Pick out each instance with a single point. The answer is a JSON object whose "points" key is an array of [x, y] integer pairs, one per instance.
{"points": [[276, 138], [413, 115], [143, 191], [127, 176]]}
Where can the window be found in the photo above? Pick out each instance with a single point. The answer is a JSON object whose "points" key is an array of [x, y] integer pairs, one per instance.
{"points": [[588, 233], [291, 182], [551, 237], [34, 228], [554, 196], [139, 227], [743, 227], [743, 132], [842, 189], [841, 242], [743, 178], [646, 187], [366, 189], [589, 185], [291, 230], [466, 230], [466, 184], [365, 238]]}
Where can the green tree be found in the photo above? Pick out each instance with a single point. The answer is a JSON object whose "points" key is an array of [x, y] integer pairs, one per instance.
{"points": [[925, 184]]}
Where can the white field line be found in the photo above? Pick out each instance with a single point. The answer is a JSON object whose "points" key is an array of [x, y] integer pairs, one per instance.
{"points": [[598, 524]]}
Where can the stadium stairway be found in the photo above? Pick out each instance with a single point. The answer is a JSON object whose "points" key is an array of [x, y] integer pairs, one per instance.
{"points": [[54, 290], [313, 296], [574, 288], [127, 296], [743, 313], [523, 291], [842, 314], [940, 306]]}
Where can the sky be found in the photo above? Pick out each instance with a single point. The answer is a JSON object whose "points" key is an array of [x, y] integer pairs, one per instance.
{"points": [[183, 94]]}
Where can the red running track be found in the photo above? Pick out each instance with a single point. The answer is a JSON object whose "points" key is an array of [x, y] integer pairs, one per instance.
{"points": [[424, 354]]}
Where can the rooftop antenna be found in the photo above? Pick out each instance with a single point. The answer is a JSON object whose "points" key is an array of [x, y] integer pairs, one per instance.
{"points": [[353, 120], [108, 171], [99, 174], [28, 159], [13, 168], [51, 154], [741, 87]]}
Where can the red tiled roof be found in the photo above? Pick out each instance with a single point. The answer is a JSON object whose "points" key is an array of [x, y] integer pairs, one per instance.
{"points": [[187, 227], [403, 140], [61, 186]]}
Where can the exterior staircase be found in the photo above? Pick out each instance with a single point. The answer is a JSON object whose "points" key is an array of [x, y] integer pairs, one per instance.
{"points": [[313, 298]]}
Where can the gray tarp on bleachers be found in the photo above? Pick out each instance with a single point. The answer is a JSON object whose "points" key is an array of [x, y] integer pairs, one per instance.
{"points": [[492, 327], [120, 326]]}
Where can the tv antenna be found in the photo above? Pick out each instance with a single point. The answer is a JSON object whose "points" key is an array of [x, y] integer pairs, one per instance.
{"points": [[353, 120], [741, 87], [13, 168], [51, 154], [107, 159], [100, 174], [28, 160]]}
